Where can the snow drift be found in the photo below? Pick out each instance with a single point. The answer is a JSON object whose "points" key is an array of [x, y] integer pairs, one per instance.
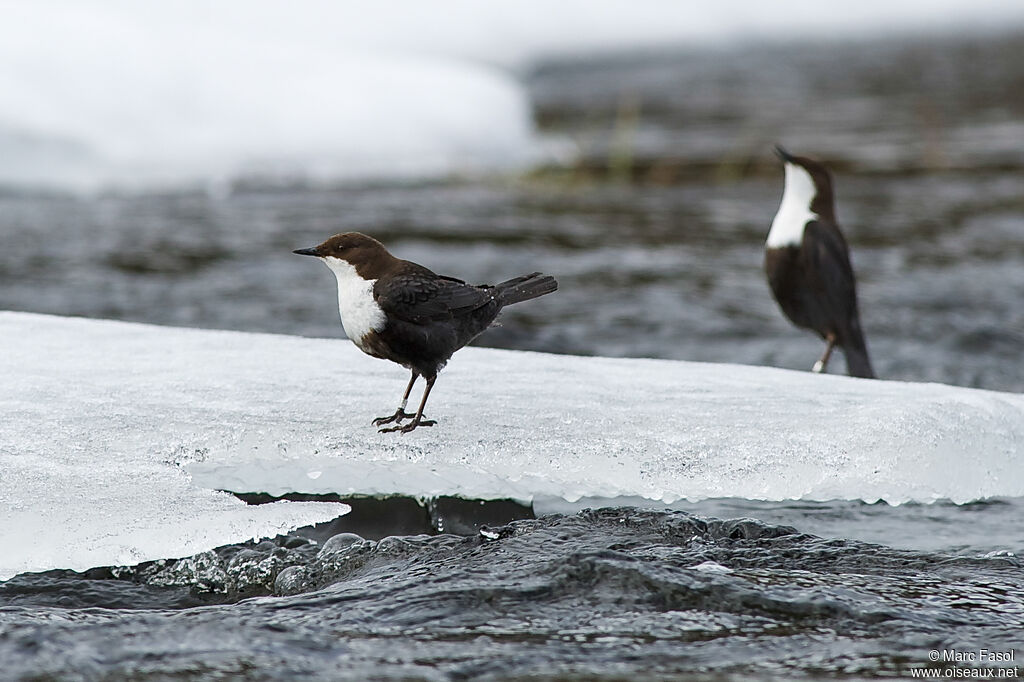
{"points": [[115, 435]]}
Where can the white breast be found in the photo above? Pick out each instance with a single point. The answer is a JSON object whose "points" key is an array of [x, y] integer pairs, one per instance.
{"points": [[795, 209], [360, 314]]}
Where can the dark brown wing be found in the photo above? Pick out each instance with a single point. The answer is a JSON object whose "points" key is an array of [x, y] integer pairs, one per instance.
{"points": [[419, 296]]}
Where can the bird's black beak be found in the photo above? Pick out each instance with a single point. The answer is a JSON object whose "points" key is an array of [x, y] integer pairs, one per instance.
{"points": [[307, 252], [784, 155]]}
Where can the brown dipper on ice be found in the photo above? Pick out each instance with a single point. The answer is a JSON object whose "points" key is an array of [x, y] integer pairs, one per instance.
{"points": [[397, 310]]}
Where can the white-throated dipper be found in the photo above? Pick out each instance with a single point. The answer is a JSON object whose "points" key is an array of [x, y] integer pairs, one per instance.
{"points": [[400, 311], [808, 264]]}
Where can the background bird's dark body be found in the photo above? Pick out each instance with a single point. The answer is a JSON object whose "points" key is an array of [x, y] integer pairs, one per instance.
{"points": [[813, 284]]}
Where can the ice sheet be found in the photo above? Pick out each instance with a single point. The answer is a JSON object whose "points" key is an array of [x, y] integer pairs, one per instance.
{"points": [[87, 472], [97, 415]]}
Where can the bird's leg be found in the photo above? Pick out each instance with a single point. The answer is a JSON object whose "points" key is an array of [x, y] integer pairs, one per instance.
{"points": [[400, 413], [418, 420], [830, 343]]}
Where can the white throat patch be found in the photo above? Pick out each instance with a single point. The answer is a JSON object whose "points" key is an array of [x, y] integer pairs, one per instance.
{"points": [[360, 314], [795, 209]]}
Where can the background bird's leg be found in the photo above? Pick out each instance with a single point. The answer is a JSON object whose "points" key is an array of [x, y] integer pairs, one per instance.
{"points": [[400, 413], [418, 420], [830, 343]]}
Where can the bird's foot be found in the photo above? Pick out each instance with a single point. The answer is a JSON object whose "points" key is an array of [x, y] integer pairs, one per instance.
{"points": [[398, 416], [410, 426]]}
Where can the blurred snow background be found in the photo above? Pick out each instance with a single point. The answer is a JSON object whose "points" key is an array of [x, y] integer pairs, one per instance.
{"points": [[100, 92]]}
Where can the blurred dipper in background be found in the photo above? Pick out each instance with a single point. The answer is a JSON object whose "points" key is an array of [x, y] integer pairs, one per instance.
{"points": [[400, 311], [808, 265]]}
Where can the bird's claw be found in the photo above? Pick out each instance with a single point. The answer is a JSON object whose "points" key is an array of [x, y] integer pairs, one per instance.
{"points": [[410, 426], [396, 417]]}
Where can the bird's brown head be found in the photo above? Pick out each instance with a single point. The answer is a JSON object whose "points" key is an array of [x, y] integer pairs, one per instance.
{"points": [[366, 254]]}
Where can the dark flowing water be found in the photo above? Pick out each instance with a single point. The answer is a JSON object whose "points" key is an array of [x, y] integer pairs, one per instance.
{"points": [[655, 235], [606, 594]]}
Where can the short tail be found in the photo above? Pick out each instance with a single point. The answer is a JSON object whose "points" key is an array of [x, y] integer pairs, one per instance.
{"points": [[526, 287], [855, 348]]}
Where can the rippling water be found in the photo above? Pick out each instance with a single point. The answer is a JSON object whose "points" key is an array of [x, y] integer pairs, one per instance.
{"points": [[606, 594], [655, 235]]}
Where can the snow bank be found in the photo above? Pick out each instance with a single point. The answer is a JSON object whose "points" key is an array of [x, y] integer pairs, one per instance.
{"points": [[97, 414], [107, 91]]}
